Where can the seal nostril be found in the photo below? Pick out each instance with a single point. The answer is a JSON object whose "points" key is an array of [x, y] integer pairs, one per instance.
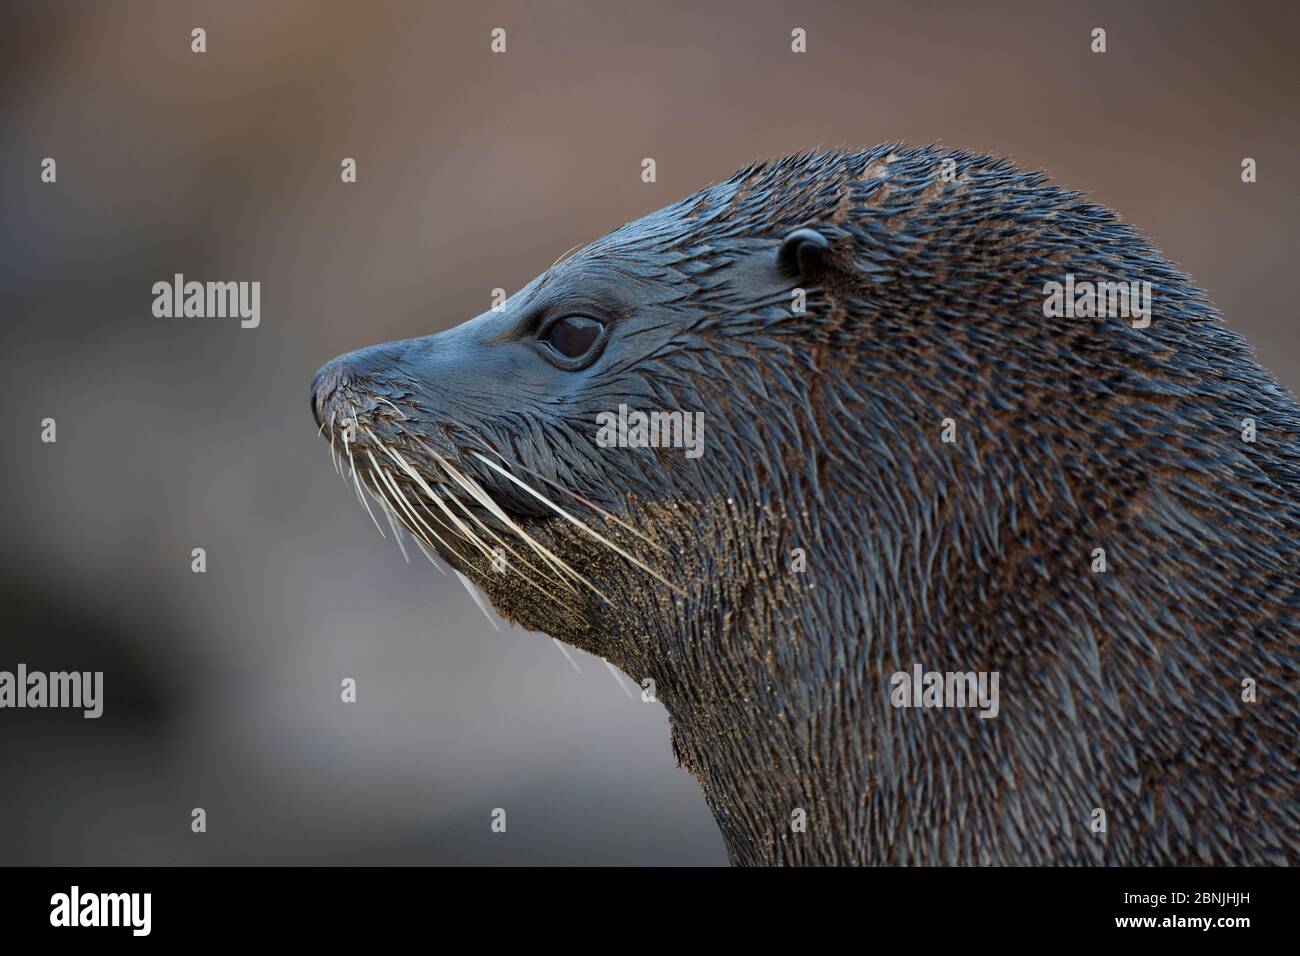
{"points": [[323, 385]]}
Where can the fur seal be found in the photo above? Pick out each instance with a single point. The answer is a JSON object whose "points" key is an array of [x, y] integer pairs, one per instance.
{"points": [[913, 462]]}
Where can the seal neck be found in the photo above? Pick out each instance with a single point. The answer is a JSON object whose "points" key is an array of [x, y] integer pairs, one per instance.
{"points": [[771, 721]]}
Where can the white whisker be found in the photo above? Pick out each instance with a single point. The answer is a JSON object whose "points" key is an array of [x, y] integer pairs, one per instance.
{"points": [[560, 511], [437, 499], [334, 458], [567, 656], [388, 513], [621, 685], [564, 256], [425, 551], [398, 494], [467, 532], [518, 557], [483, 498], [392, 406], [477, 600], [357, 484], [586, 501]]}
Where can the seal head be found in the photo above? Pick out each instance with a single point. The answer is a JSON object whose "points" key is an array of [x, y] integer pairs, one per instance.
{"points": [[908, 460]]}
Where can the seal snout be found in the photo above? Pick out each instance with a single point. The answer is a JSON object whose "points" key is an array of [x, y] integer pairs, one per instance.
{"points": [[330, 377], [361, 377]]}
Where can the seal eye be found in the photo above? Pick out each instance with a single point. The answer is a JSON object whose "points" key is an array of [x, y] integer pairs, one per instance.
{"points": [[573, 336]]}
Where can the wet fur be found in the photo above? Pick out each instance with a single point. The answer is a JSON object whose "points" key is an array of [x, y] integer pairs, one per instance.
{"points": [[1119, 690]]}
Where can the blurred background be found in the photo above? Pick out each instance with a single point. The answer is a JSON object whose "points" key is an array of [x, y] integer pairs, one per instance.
{"points": [[475, 171]]}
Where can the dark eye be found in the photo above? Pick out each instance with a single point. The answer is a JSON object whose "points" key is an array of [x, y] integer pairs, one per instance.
{"points": [[573, 336]]}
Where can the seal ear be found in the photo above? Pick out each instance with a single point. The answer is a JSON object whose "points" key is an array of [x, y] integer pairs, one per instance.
{"points": [[804, 252]]}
